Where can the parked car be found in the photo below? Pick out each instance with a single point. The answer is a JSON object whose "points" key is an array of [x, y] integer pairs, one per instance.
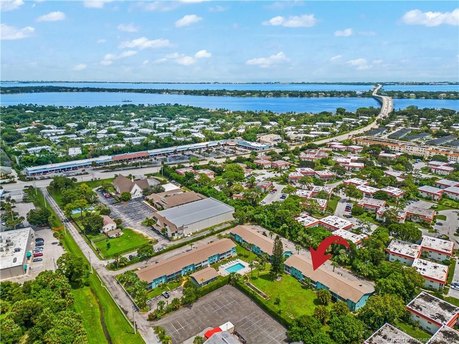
{"points": [[38, 254], [165, 294], [37, 259], [283, 196], [39, 239], [38, 249], [40, 243], [455, 286], [55, 243]]}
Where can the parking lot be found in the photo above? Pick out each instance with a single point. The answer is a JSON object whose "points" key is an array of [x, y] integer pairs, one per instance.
{"points": [[218, 307], [51, 253], [133, 213]]}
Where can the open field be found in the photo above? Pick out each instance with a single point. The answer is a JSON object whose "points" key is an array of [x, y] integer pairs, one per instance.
{"points": [[128, 242]]}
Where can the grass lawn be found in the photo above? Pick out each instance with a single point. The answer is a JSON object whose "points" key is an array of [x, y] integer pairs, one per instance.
{"points": [[101, 182], [118, 327], [295, 300], [86, 305], [332, 204], [441, 217], [448, 204], [128, 242], [414, 331], [245, 255]]}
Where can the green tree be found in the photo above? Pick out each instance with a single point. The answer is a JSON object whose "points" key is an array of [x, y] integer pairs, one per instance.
{"points": [[303, 328], [400, 280], [125, 196], [38, 217], [198, 340], [339, 308], [380, 309], [74, 268], [277, 258], [322, 314], [11, 332], [146, 251], [93, 223], [323, 296], [346, 329]]}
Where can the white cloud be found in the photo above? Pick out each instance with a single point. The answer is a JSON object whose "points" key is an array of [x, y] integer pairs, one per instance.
{"points": [[202, 54], [305, 20], [128, 28], [359, 64], [109, 58], [161, 6], [335, 58], [265, 62], [52, 17], [185, 60], [187, 20], [12, 33], [417, 17], [95, 3], [101, 41], [10, 5], [79, 67], [344, 33], [144, 43]]}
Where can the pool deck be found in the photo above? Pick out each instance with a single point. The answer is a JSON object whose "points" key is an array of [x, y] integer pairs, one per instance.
{"points": [[223, 272]]}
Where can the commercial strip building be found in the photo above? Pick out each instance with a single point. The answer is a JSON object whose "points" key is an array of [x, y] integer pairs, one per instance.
{"points": [[15, 251], [388, 334], [354, 293], [187, 262], [75, 165], [249, 237], [431, 313], [192, 217]]}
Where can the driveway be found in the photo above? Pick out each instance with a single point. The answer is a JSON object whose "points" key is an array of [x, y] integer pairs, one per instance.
{"points": [[133, 213], [450, 225], [174, 294]]}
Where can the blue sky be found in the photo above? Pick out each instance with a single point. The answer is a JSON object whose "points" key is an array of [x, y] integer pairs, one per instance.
{"points": [[243, 41]]}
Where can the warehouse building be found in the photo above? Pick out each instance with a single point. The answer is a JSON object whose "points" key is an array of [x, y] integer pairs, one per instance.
{"points": [[15, 247], [186, 219]]}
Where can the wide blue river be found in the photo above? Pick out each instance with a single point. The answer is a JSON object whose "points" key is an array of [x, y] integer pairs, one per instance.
{"points": [[241, 87], [278, 105]]}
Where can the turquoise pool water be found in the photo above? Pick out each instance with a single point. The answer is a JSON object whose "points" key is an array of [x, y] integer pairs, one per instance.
{"points": [[235, 268]]}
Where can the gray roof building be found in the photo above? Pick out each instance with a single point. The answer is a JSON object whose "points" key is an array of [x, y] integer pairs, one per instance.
{"points": [[192, 217]]}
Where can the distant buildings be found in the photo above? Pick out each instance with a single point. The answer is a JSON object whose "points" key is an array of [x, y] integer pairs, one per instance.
{"points": [[186, 263]]}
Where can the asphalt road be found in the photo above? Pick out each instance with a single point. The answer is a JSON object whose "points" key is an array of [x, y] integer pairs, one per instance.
{"points": [[274, 196]]}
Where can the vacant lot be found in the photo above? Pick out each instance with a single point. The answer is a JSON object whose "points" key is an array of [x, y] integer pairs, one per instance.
{"points": [[128, 242], [218, 307]]}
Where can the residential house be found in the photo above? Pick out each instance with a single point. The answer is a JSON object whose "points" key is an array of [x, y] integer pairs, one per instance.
{"points": [[334, 223], [388, 334], [204, 276], [435, 275], [445, 335], [372, 204], [452, 192], [437, 249], [403, 252], [134, 187], [446, 183]]}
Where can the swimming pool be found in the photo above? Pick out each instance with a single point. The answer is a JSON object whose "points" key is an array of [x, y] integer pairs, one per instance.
{"points": [[235, 268]]}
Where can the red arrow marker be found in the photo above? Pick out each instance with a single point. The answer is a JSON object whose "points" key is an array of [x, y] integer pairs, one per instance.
{"points": [[319, 257]]}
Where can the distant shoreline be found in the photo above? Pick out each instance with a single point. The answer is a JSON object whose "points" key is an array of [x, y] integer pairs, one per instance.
{"points": [[432, 83]]}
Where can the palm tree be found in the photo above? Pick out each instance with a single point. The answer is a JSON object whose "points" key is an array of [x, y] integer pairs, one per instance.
{"points": [[297, 248], [334, 264], [251, 266]]}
